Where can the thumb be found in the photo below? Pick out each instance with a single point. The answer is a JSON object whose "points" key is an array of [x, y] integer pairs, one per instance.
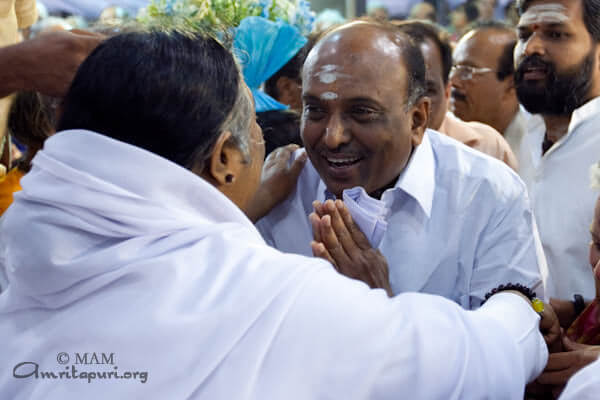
{"points": [[298, 164]]}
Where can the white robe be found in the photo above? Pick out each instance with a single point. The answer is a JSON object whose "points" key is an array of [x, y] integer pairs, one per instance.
{"points": [[115, 252]]}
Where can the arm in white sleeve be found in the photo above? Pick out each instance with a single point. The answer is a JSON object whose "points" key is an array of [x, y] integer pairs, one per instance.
{"points": [[354, 343], [508, 250], [584, 385]]}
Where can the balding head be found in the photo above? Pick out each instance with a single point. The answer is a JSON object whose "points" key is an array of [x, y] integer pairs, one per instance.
{"points": [[377, 47]]}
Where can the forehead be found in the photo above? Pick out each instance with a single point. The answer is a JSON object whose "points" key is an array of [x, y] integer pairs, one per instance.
{"points": [[482, 47], [433, 58], [359, 57], [552, 12]]}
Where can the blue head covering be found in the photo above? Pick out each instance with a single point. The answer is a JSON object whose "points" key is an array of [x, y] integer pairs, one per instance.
{"points": [[263, 48]]}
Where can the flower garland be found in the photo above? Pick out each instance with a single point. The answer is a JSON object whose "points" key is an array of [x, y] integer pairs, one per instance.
{"points": [[215, 15]]}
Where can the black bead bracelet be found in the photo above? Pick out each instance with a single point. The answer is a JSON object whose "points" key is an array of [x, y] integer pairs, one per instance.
{"points": [[524, 290]]}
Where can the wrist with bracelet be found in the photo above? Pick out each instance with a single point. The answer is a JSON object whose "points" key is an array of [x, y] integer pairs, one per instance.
{"points": [[537, 304]]}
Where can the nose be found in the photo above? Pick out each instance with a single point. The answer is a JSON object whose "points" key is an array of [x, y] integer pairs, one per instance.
{"points": [[455, 80], [533, 45], [336, 133]]}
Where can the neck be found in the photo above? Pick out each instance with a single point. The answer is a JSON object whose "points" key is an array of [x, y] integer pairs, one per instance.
{"points": [[376, 194], [556, 126], [506, 115]]}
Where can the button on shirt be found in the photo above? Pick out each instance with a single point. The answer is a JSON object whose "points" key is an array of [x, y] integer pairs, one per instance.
{"points": [[563, 202], [459, 225]]}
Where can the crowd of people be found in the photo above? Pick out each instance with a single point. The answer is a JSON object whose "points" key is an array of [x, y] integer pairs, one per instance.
{"points": [[248, 203]]}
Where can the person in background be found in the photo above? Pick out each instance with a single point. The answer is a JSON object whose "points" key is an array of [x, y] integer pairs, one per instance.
{"points": [[15, 15], [32, 119], [558, 76], [423, 11], [482, 81], [437, 53]]}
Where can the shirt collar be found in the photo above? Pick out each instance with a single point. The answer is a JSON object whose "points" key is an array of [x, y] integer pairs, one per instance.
{"points": [[417, 180], [579, 116], [585, 112]]}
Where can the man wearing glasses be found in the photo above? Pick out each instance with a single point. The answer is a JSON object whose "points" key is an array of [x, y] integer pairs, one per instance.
{"points": [[482, 81]]}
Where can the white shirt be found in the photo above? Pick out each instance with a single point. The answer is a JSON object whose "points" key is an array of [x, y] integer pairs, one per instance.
{"points": [[584, 385], [562, 199], [154, 271], [460, 223]]}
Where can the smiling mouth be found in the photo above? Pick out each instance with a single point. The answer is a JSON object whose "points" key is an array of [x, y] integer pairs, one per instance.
{"points": [[342, 162]]}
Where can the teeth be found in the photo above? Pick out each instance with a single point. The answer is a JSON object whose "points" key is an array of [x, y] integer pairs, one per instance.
{"points": [[342, 160]]}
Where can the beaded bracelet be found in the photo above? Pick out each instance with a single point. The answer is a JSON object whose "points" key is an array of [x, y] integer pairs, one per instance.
{"points": [[537, 304], [578, 304]]}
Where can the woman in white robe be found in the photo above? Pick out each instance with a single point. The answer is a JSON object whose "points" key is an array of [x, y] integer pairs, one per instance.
{"points": [[131, 270]]}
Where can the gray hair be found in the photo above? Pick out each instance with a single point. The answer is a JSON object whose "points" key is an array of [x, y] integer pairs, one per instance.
{"points": [[238, 121]]}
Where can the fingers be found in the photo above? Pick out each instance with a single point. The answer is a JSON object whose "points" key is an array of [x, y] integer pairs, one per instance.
{"points": [[319, 250], [556, 378], [560, 361], [329, 238], [339, 227], [318, 207], [570, 345], [314, 222], [359, 237]]}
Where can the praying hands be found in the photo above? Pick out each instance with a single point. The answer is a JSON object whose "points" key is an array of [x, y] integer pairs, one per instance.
{"points": [[340, 241]]}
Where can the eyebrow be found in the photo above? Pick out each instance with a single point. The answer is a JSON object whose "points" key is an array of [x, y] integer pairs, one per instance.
{"points": [[312, 98]]}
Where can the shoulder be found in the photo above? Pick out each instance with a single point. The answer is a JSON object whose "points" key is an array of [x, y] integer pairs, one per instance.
{"points": [[463, 170]]}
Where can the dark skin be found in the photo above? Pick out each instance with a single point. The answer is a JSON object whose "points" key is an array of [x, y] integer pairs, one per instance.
{"points": [[46, 64], [355, 109]]}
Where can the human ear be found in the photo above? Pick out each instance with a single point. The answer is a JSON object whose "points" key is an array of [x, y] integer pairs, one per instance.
{"points": [[419, 117], [223, 166]]}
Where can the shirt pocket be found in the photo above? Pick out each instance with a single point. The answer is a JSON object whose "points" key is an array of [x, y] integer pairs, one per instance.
{"points": [[5, 7]]}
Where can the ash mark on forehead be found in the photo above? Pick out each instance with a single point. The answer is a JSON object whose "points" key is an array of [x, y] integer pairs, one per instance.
{"points": [[552, 13], [330, 73], [329, 96]]}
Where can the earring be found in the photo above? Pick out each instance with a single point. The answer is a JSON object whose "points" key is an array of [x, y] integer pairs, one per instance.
{"points": [[228, 178]]}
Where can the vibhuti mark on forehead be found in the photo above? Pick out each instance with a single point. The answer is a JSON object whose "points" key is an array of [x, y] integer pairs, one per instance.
{"points": [[329, 96], [550, 13], [330, 73]]}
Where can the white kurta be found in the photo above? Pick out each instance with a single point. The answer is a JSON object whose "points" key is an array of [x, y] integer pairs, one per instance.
{"points": [[584, 385], [460, 223], [563, 202], [116, 252]]}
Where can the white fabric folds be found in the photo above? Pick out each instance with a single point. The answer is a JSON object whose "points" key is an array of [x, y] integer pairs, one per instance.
{"points": [[368, 213], [130, 277]]}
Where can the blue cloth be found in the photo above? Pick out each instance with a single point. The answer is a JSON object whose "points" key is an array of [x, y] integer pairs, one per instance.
{"points": [[263, 47], [460, 223]]}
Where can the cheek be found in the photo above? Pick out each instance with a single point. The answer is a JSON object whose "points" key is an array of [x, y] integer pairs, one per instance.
{"points": [[311, 132]]}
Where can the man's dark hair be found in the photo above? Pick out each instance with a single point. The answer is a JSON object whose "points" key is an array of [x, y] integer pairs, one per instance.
{"points": [[292, 69], [167, 92], [419, 31], [411, 55], [280, 128], [506, 66], [591, 11], [471, 11]]}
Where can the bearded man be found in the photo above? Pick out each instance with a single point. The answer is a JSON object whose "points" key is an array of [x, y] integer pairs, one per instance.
{"points": [[558, 76]]}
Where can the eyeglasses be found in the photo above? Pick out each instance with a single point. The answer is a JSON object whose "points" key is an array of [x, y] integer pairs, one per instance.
{"points": [[466, 72]]}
